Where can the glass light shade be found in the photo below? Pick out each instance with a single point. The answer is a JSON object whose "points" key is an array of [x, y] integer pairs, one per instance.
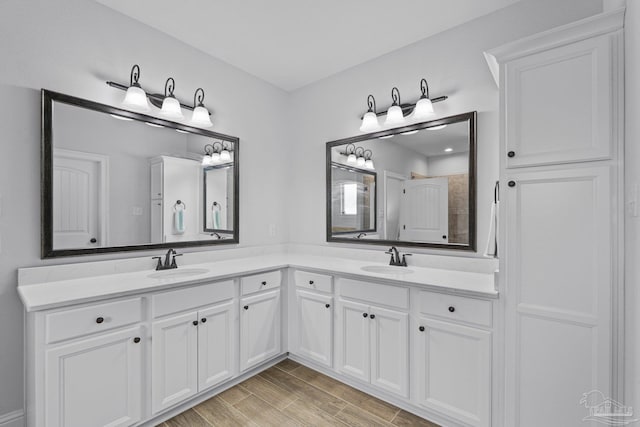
{"points": [[215, 157], [136, 99], [201, 118], [370, 122], [394, 116], [207, 160], [351, 158], [225, 156], [423, 109], [171, 109], [368, 164], [360, 161]]}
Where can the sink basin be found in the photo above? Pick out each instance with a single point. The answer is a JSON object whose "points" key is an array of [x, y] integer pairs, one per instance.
{"points": [[177, 273], [386, 269]]}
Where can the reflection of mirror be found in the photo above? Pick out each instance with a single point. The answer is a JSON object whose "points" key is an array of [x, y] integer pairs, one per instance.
{"points": [[114, 180], [218, 199], [353, 200], [426, 192]]}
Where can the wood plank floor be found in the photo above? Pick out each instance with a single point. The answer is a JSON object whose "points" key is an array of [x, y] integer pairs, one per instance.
{"points": [[290, 394]]}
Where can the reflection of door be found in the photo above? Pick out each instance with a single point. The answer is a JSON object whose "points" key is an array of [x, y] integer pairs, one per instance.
{"points": [[424, 210], [392, 191], [77, 197]]}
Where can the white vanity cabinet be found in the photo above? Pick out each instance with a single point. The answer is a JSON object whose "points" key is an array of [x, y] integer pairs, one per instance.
{"points": [[193, 350], [260, 318], [372, 334], [452, 361]]}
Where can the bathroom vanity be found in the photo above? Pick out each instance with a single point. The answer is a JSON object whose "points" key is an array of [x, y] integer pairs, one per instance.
{"points": [[137, 347]]}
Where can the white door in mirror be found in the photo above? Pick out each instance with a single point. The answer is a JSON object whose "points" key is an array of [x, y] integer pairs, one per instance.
{"points": [[429, 197]]}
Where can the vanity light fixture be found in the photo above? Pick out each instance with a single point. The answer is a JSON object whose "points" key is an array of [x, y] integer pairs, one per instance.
{"points": [[360, 160], [218, 152], [170, 105], [136, 98], [350, 151], [424, 107], [200, 115], [358, 156], [370, 119], [368, 163], [225, 155], [394, 113]]}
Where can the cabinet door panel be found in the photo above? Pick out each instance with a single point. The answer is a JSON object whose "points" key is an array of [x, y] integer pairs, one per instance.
{"points": [[389, 350], [454, 371], [260, 328], [352, 340], [315, 327], [216, 344], [174, 361], [95, 381]]}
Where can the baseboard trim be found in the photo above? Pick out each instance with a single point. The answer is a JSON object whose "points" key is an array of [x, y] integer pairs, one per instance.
{"points": [[12, 419]]}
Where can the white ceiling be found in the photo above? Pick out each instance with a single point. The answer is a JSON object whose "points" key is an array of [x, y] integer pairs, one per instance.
{"points": [[291, 43]]}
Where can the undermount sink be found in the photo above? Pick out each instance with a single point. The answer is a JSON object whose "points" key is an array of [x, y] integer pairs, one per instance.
{"points": [[386, 269], [177, 273]]}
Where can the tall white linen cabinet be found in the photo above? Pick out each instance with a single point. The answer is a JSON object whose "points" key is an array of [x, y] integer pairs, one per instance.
{"points": [[561, 103]]}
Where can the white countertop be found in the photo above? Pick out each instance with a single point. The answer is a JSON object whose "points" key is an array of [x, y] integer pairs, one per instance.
{"points": [[62, 292]]}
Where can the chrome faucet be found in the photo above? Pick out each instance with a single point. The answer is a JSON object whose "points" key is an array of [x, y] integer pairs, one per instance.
{"points": [[169, 261], [395, 257]]}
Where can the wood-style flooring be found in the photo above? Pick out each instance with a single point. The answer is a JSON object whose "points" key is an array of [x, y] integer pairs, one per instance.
{"points": [[290, 394]]}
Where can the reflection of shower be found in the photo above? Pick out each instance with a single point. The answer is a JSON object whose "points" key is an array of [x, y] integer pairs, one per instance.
{"points": [[216, 212]]}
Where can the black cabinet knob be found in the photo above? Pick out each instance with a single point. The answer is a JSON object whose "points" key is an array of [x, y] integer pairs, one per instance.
{"points": [[195, 323], [203, 320], [311, 282], [264, 283], [246, 307], [373, 316], [511, 154], [421, 328], [444, 236], [100, 320], [93, 240], [327, 305], [511, 183], [452, 309], [136, 340], [364, 314]]}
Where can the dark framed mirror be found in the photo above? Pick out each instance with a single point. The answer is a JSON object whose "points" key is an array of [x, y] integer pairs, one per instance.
{"points": [[425, 192], [115, 180]]}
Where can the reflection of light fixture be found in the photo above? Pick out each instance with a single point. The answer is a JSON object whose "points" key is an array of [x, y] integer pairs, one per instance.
{"points": [[126, 119], [370, 119], [448, 150], [225, 156], [170, 105], [424, 107], [181, 131], [437, 127], [360, 161], [136, 98], [218, 152], [153, 125], [368, 163], [200, 115], [349, 151], [394, 113], [386, 136], [411, 132]]}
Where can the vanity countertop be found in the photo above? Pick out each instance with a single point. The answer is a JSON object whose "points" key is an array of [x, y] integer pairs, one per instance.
{"points": [[62, 292]]}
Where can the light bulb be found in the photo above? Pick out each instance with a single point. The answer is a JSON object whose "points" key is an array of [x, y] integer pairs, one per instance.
{"points": [[370, 122], [394, 116], [351, 159], [423, 109], [201, 118], [136, 99], [171, 109]]}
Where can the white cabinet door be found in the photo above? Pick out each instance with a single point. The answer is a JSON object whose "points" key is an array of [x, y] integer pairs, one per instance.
{"points": [[453, 370], [560, 104], [96, 381], [315, 326], [216, 344], [174, 360], [558, 267], [156, 181], [259, 328], [352, 340], [390, 350], [157, 231]]}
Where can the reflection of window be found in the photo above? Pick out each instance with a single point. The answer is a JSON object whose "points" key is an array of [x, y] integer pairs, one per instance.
{"points": [[349, 199]]}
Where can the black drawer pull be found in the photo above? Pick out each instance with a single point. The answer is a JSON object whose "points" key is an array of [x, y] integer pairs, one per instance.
{"points": [[452, 309], [364, 314], [327, 305], [203, 320], [511, 183], [421, 328], [311, 282], [511, 154], [264, 283], [100, 320], [372, 316], [136, 340], [246, 307], [195, 323]]}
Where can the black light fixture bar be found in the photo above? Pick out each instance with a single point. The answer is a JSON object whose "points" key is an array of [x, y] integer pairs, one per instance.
{"points": [[408, 108], [154, 98]]}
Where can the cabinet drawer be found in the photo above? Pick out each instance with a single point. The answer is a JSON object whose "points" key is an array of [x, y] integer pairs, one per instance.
{"points": [[314, 281], [76, 322], [456, 308], [260, 282], [189, 298], [393, 296]]}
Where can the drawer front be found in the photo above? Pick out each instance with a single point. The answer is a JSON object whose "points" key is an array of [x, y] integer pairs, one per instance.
{"points": [[314, 281], [456, 308], [393, 296], [190, 298], [77, 322], [260, 282]]}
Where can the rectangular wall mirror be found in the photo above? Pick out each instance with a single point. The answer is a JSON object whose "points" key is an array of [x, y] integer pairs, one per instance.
{"points": [[114, 180], [410, 186]]}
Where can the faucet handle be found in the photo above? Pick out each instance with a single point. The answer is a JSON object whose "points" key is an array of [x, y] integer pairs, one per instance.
{"points": [[404, 261], [173, 260], [159, 265]]}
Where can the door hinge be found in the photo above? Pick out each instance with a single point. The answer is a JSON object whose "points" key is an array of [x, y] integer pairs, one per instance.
{"points": [[404, 227], [404, 191]]}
